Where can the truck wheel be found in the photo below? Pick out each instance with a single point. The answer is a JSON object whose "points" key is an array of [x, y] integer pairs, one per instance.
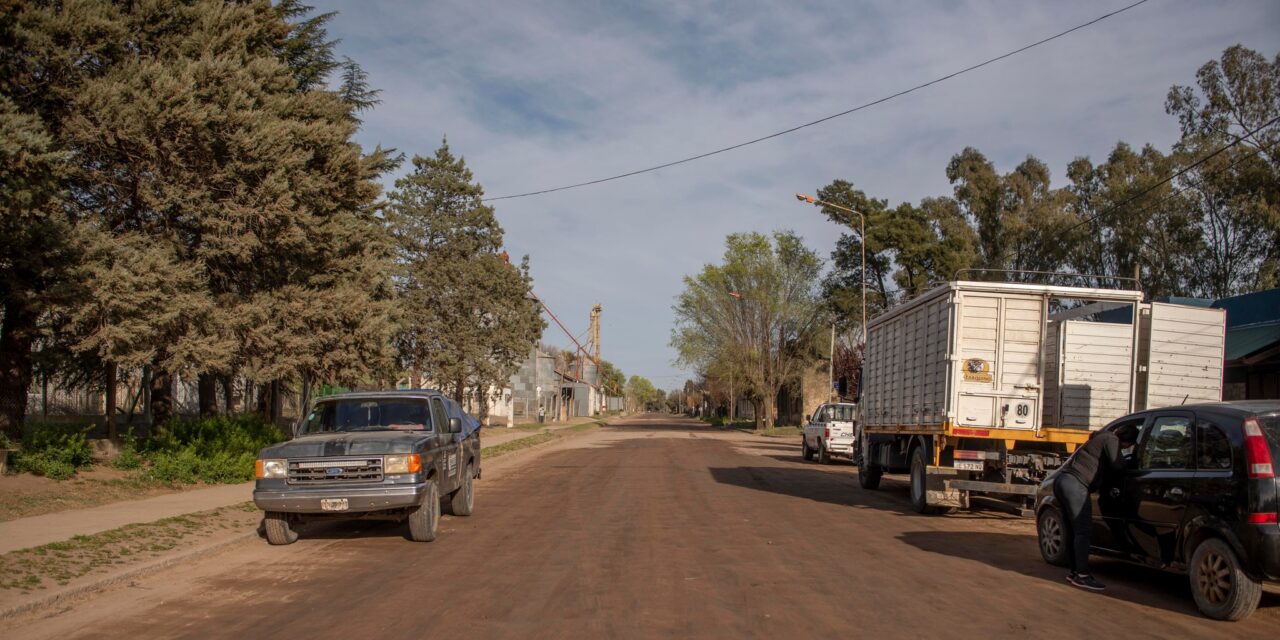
{"points": [[869, 476], [463, 501], [1221, 588], [279, 529], [824, 456], [425, 520], [920, 483], [805, 451], [1052, 537]]}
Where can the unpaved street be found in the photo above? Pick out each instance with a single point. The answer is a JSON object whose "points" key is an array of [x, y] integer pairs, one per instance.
{"points": [[659, 527]]}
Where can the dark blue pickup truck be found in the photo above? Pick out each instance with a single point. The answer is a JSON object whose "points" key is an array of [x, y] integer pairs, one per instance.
{"points": [[390, 455]]}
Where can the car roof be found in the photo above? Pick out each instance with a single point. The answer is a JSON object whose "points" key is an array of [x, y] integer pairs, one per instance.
{"points": [[1239, 408], [401, 393]]}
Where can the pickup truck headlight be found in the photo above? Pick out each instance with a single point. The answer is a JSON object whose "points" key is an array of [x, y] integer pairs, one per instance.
{"points": [[270, 469], [405, 463]]}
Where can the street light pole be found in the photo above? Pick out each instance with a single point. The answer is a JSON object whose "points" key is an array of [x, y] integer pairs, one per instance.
{"points": [[862, 242]]}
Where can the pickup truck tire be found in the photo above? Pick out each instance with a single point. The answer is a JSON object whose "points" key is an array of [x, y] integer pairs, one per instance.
{"points": [[279, 529], [1220, 586], [824, 456], [463, 501], [805, 451], [1051, 535], [424, 521], [869, 476]]}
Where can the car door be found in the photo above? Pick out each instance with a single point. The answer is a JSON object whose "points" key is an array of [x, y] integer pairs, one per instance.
{"points": [[1108, 530], [447, 444], [1155, 493], [813, 430]]}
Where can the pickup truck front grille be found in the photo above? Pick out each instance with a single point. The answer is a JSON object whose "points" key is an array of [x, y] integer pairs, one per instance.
{"points": [[331, 470]]}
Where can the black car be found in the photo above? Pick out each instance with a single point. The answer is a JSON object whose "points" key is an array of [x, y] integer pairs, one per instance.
{"points": [[1199, 496], [397, 455]]}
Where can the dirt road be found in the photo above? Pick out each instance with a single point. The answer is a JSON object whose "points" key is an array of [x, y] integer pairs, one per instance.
{"points": [[657, 528]]}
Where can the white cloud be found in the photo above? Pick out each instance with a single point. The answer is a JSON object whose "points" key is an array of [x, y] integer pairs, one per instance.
{"points": [[542, 94]]}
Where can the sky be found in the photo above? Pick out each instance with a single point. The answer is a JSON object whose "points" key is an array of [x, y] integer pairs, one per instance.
{"points": [[540, 94]]}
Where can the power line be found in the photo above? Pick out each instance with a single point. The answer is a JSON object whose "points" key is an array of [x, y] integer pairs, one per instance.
{"points": [[824, 119], [1115, 207]]}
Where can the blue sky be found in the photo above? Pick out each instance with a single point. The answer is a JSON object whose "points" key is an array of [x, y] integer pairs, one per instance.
{"points": [[542, 93]]}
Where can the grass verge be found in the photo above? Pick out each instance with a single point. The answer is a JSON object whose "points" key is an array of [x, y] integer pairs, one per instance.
{"points": [[59, 563], [78, 493], [781, 432], [535, 440]]}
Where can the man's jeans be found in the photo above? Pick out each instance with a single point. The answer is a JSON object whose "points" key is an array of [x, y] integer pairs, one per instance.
{"points": [[1077, 515]]}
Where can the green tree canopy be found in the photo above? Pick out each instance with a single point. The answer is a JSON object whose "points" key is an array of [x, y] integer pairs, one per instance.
{"points": [[469, 316]]}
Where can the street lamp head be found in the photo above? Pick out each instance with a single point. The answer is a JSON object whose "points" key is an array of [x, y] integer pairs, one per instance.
{"points": [[803, 198]]}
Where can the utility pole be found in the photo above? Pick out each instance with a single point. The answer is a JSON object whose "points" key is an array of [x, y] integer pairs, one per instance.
{"points": [[831, 366]]}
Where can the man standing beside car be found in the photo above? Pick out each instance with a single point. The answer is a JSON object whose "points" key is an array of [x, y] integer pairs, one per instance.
{"points": [[1080, 476]]}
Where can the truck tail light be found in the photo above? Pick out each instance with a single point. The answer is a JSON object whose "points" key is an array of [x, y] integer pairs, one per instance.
{"points": [[1257, 454], [1263, 518]]}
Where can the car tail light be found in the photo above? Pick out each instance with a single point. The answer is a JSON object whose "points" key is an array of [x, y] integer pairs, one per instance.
{"points": [[1257, 454], [1263, 518]]}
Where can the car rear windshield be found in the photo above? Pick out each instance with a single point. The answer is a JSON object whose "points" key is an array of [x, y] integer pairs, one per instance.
{"points": [[393, 414], [840, 413], [1271, 427]]}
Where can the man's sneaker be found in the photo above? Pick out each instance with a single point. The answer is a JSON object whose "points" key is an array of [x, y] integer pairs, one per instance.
{"points": [[1085, 581]]}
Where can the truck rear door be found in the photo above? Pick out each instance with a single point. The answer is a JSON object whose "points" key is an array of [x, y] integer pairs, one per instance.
{"points": [[1000, 339]]}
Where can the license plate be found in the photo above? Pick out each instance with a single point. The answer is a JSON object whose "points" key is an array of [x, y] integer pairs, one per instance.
{"points": [[333, 504], [968, 465]]}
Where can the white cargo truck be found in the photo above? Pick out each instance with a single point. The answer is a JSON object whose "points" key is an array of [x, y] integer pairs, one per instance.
{"points": [[985, 387]]}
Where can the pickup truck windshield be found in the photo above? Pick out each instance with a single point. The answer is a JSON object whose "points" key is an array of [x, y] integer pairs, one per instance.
{"points": [[395, 414]]}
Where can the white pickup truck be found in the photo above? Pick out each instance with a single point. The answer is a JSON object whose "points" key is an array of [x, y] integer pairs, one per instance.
{"points": [[830, 431]]}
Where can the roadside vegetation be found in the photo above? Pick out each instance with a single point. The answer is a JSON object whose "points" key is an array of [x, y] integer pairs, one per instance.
{"points": [[216, 450]]}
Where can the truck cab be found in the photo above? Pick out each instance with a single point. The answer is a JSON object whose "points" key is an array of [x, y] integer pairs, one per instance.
{"points": [[831, 430], [389, 455]]}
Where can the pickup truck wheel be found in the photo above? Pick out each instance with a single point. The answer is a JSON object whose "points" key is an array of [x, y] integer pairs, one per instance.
{"points": [[1221, 589], [279, 529], [824, 456], [463, 501], [805, 451], [1052, 536], [869, 476], [425, 520]]}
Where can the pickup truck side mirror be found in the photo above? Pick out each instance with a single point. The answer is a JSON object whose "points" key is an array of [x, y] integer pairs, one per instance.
{"points": [[455, 425]]}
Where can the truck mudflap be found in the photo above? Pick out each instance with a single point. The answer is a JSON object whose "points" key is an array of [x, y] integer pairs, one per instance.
{"points": [[939, 491]]}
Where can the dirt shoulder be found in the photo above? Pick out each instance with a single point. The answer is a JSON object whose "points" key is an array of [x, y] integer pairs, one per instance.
{"points": [[23, 495]]}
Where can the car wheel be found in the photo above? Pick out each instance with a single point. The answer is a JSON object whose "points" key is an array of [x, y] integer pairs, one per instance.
{"points": [[279, 528], [1052, 536], [824, 456], [1221, 588], [869, 476], [805, 451], [424, 521], [463, 501]]}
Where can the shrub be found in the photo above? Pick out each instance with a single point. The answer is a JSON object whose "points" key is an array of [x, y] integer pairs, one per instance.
{"points": [[220, 449], [129, 459], [54, 450], [44, 464]]}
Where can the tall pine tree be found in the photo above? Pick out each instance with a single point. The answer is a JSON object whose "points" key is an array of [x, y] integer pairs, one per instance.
{"points": [[468, 319]]}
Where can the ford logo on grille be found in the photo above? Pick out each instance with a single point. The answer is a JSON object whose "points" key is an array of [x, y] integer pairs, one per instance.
{"points": [[333, 471]]}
